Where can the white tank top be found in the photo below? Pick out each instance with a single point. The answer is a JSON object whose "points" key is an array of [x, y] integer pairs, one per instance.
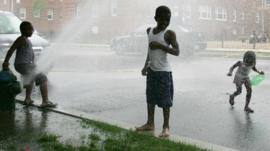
{"points": [[243, 70], [158, 58]]}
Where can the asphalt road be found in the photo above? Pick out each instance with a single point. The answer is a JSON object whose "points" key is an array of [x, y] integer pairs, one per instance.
{"points": [[108, 85]]}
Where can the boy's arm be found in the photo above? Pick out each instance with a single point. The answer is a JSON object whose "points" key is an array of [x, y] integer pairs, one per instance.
{"points": [[11, 50], [255, 69], [234, 66], [170, 38], [144, 70]]}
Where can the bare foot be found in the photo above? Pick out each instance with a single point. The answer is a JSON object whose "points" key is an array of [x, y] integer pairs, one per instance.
{"points": [[165, 132], [48, 104], [28, 102], [146, 127], [231, 100], [249, 110]]}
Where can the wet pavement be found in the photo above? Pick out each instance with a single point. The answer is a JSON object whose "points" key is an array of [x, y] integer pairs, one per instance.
{"points": [[110, 86], [21, 129]]}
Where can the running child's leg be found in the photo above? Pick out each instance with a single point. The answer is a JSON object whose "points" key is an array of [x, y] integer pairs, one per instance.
{"points": [[248, 97], [237, 92]]}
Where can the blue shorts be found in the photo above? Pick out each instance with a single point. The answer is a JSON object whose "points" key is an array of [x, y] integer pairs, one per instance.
{"points": [[159, 88]]}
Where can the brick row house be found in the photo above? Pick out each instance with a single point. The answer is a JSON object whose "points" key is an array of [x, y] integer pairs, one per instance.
{"points": [[47, 16], [215, 19]]}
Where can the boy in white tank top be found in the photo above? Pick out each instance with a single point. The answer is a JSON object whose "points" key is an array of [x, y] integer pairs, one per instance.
{"points": [[159, 88]]}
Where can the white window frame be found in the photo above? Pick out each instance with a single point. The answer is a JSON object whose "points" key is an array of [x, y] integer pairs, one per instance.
{"points": [[257, 18], [221, 14], [187, 11], [175, 11], [114, 6], [22, 13], [234, 16], [36, 14], [243, 16], [205, 13], [267, 3], [50, 12]]}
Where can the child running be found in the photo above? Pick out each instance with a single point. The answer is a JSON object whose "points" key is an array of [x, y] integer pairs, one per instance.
{"points": [[159, 88], [25, 65], [242, 77]]}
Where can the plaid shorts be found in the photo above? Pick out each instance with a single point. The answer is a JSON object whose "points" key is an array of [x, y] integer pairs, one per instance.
{"points": [[159, 88], [28, 73]]}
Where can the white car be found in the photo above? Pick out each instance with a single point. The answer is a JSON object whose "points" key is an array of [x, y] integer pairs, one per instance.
{"points": [[10, 31]]}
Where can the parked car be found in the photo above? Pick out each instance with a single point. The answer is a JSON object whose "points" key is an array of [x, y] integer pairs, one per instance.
{"points": [[136, 42], [10, 30]]}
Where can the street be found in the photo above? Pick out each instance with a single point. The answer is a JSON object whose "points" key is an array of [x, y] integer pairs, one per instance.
{"points": [[104, 84]]}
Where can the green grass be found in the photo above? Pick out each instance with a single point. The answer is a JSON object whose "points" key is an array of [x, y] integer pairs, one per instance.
{"points": [[111, 138]]}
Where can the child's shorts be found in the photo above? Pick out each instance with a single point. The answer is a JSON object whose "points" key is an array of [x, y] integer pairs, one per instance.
{"points": [[28, 73], [240, 80], [159, 88]]}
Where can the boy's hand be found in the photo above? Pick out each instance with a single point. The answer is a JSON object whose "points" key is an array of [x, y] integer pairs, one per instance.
{"points": [[262, 73], [229, 74], [5, 66], [155, 45], [144, 71]]}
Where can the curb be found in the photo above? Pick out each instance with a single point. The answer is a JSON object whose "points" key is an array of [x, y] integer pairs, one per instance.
{"points": [[218, 52], [174, 138]]}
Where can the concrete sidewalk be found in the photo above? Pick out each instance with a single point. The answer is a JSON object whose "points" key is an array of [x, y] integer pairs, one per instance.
{"points": [[127, 126]]}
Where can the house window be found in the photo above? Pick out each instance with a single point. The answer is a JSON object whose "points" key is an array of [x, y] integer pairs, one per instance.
{"points": [[267, 3], [187, 12], [95, 10], [205, 12], [257, 18], [22, 13], [234, 16], [50, 14], [243, 30], [36, 13], [78, 12], [18, 1], [5, 2], [243, 15], [221, 14], [175, 11], [114, 7]]}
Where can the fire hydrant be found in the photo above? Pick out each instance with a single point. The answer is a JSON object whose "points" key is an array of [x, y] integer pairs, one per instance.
{"points": [[9, 88]]}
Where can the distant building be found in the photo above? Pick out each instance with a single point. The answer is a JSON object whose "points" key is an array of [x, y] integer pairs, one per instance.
{"points": [[47, 16], [215, 19]]}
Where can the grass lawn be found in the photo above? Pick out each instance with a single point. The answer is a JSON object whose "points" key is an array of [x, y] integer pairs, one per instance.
{"points": [[104, 137]]}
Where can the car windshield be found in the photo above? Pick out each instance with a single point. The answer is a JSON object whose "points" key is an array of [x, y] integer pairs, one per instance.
{"points": [[9, 24]]}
